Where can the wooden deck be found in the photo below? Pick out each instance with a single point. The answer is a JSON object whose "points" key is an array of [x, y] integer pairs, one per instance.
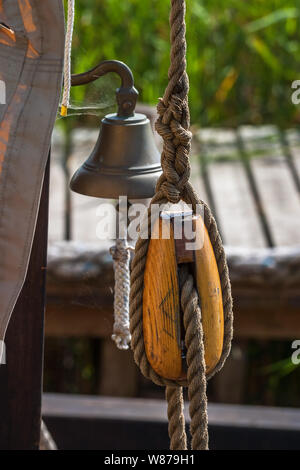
{"points": [[265, 286], [249, 176], [86, 422]]}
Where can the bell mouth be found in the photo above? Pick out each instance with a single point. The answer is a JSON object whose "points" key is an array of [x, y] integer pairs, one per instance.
{"points": [[111, 185]]}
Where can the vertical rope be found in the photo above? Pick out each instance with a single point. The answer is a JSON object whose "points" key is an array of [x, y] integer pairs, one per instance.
{"points": [[176, 419], [121, 256], [173, 186], [195, 360], [67, 58]]}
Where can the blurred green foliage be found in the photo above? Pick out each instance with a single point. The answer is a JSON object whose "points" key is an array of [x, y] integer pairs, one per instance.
{"points": [[242, 56]]}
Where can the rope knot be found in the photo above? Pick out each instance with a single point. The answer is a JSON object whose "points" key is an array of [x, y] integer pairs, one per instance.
{"points": [[171, 192], [172, 126], [120, 253], [176, 105]]}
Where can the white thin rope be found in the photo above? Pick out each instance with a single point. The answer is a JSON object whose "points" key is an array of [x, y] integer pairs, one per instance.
{"points": [[67, 58], [121, 256]]}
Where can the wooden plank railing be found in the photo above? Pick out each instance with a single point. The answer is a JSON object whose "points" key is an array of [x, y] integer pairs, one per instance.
{"points": [[265, 284], [86, 422], [249, 176]]}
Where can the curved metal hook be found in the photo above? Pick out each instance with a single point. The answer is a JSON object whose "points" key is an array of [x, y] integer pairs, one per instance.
{"points": [[126, 95]]}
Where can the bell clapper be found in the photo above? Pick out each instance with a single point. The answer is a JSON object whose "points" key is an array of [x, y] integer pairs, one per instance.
{"points": [[121, 256]]}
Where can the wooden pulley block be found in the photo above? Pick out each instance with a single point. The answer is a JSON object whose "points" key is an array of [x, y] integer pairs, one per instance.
{"points": [[180, 238]]}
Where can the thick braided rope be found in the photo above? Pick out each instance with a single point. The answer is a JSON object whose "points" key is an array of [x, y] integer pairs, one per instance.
{"points": [[216, 241], [172, 186], [195, 360], [121, 334], [176, 428], [196, 374], [174, 119]]}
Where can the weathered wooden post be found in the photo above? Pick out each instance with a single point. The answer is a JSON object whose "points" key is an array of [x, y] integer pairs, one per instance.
{"points": [[21, 377]]}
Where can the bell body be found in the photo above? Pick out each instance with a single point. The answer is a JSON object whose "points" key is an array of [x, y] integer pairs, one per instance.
{"points": [[124, 162]]}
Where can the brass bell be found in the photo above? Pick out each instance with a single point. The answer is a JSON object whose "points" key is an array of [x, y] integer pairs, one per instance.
{"points": [[125, 160]]}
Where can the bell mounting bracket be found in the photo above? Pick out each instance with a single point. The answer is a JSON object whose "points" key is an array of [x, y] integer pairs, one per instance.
{"points": [[126, 95]]}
